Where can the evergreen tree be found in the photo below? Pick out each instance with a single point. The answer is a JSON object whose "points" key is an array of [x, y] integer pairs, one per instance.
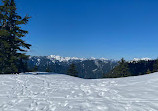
{"points": [[155, 66], [35, 69], [122, 70], [12, 47], [72, 70]]}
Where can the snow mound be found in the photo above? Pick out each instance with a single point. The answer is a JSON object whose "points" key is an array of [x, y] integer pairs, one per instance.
{"points": [[64, 93]]}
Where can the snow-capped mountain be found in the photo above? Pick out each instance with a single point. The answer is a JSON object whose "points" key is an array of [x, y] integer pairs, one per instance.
{"points": [[66, 59], [63, 59], [145, 59], [86, 67], [139, 59]]}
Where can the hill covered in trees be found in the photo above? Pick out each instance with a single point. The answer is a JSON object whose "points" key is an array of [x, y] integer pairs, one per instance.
{"points": [[133, 68]]}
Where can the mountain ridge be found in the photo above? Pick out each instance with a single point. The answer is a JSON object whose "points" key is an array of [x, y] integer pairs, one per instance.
{"points": [[86, 67]]}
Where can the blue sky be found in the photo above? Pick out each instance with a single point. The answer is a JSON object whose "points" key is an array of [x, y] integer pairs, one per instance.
{"points": [[92, 28]]}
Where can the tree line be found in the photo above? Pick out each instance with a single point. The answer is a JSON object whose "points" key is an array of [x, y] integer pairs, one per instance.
{"points": [[125, 68], [134, 68]]}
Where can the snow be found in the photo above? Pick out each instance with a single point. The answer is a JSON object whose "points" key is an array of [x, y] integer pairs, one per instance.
{"points": [[63, 59], [59, 92], [92, 58], [104, 59], [94, 70], [66, 59], [138, 59]]}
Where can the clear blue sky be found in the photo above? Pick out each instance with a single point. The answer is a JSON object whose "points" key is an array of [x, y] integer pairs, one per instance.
{"points": [[92, 28]]}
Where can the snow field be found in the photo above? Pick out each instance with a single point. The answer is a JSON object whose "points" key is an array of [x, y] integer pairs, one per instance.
{"points": [[64, 93]]}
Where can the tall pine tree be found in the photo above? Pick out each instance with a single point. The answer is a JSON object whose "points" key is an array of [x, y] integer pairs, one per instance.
{"points": [[12, 47], [155, 66], [122, 70], [72, 70]]}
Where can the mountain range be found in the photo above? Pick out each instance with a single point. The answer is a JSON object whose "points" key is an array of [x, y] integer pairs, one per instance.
{"points": [[87, 68]]}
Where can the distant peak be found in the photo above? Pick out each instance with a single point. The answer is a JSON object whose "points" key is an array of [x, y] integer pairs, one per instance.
{"points": [[146, 58], [62, 59], [92, 58], [65, 59], [103, 58], [139, 59]]}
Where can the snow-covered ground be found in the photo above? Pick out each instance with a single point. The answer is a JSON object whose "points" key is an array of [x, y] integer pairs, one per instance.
{"points": [[65, 93]]}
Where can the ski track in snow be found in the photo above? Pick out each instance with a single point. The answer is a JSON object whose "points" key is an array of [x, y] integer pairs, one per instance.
{"points": [[65, 93]]}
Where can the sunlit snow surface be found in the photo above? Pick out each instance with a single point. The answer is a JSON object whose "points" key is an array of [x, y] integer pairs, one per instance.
{"points": [[65, 93]]}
